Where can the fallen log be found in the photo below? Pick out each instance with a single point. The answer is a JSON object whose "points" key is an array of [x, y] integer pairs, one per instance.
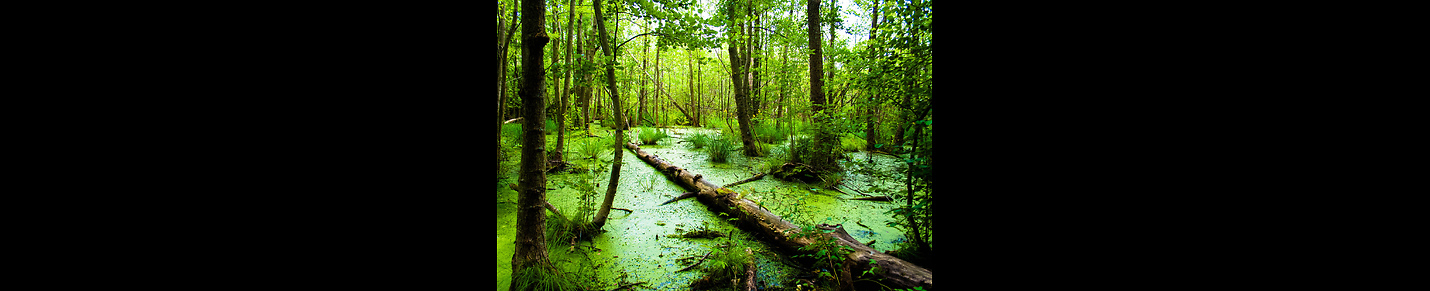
{"points": [[875, 198], [756, 177], [778, 232], [513, 120]]}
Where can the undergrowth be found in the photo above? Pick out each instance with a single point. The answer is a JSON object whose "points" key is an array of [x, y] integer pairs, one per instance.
{"points": [[542, 277], [698, 140], [651, 136], [720, 149]]}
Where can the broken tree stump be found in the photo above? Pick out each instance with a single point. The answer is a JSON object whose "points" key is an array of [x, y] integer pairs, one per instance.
{"points": [[780, 233]]}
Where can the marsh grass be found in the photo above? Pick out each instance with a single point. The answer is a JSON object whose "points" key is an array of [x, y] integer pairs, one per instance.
{"points": [[542, 277], [651, 136], [720, 148], [766, 133], [697, 140]]}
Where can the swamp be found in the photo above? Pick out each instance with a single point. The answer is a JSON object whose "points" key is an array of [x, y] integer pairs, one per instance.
{"points": [[714, 145]]}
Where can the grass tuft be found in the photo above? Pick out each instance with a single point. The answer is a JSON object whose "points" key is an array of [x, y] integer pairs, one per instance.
{"points": [[698, 140], [720, 148], [650, 136]]}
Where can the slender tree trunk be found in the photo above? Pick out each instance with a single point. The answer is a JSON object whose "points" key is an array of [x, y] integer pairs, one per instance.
{"points": [[739, 77], [871, 135], [917, 235], [690, 85], [695, 103], [645, 49], [756, 49], [501, 58], [566, 84], [531, 195], [606, 48]]}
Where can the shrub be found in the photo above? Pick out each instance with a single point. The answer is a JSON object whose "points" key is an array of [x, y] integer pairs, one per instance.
{"points": [[589, 148], [777, 157], [851, 143], [651, 135], [550, 127], [799, 150], [720, 148]]}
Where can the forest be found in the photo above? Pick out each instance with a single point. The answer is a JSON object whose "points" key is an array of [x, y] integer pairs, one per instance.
{"points": [[714, 145]]}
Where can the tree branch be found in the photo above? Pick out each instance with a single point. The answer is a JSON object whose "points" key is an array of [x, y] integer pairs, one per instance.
{"points": [[618, 47]]}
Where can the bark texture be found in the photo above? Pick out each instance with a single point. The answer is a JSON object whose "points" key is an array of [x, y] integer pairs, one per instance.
{"points": [[605, 42], [531, 195], [778, 232]]}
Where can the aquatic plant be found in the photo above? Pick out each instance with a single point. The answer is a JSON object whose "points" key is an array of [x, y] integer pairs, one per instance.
{"points": [[720, 149], [542, 277], [697, 140], [651, 135], [591, 148]]}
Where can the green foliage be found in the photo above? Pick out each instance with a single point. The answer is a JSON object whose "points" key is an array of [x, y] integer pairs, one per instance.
{"points": [[592, 148], [512, 133], [550, 127], [826, 253], [778, 156], [727, 262], [765, 132], [851, 143], [542, 277], [651, 135], [697, 140], [720, 148]]}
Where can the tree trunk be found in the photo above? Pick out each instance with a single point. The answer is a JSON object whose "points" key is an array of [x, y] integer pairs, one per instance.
{"points": [[822, 148], [756, 50], [778, 232], [871, 135], [605, 209], [739, 76], [531, 215], [565, 85], [501, 58], [645, 49]]}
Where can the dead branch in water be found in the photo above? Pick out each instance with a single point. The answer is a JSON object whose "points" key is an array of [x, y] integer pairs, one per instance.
{"points": [[756, 177], [702, 260]]}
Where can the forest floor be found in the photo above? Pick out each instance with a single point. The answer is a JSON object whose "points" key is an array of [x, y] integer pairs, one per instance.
{"points": [[635, 246]]}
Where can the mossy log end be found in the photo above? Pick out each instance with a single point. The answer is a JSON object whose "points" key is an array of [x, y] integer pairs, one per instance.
{"points": [[775, 230]]}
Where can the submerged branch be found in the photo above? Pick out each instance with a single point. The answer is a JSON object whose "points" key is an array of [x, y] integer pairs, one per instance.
{"points": [[756, 177], [702, 260]]}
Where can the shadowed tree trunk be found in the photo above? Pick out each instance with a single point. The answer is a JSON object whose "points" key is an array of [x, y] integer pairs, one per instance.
{"points": [[822, 148], [870, 131], [605, 42], [530, 238]]}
